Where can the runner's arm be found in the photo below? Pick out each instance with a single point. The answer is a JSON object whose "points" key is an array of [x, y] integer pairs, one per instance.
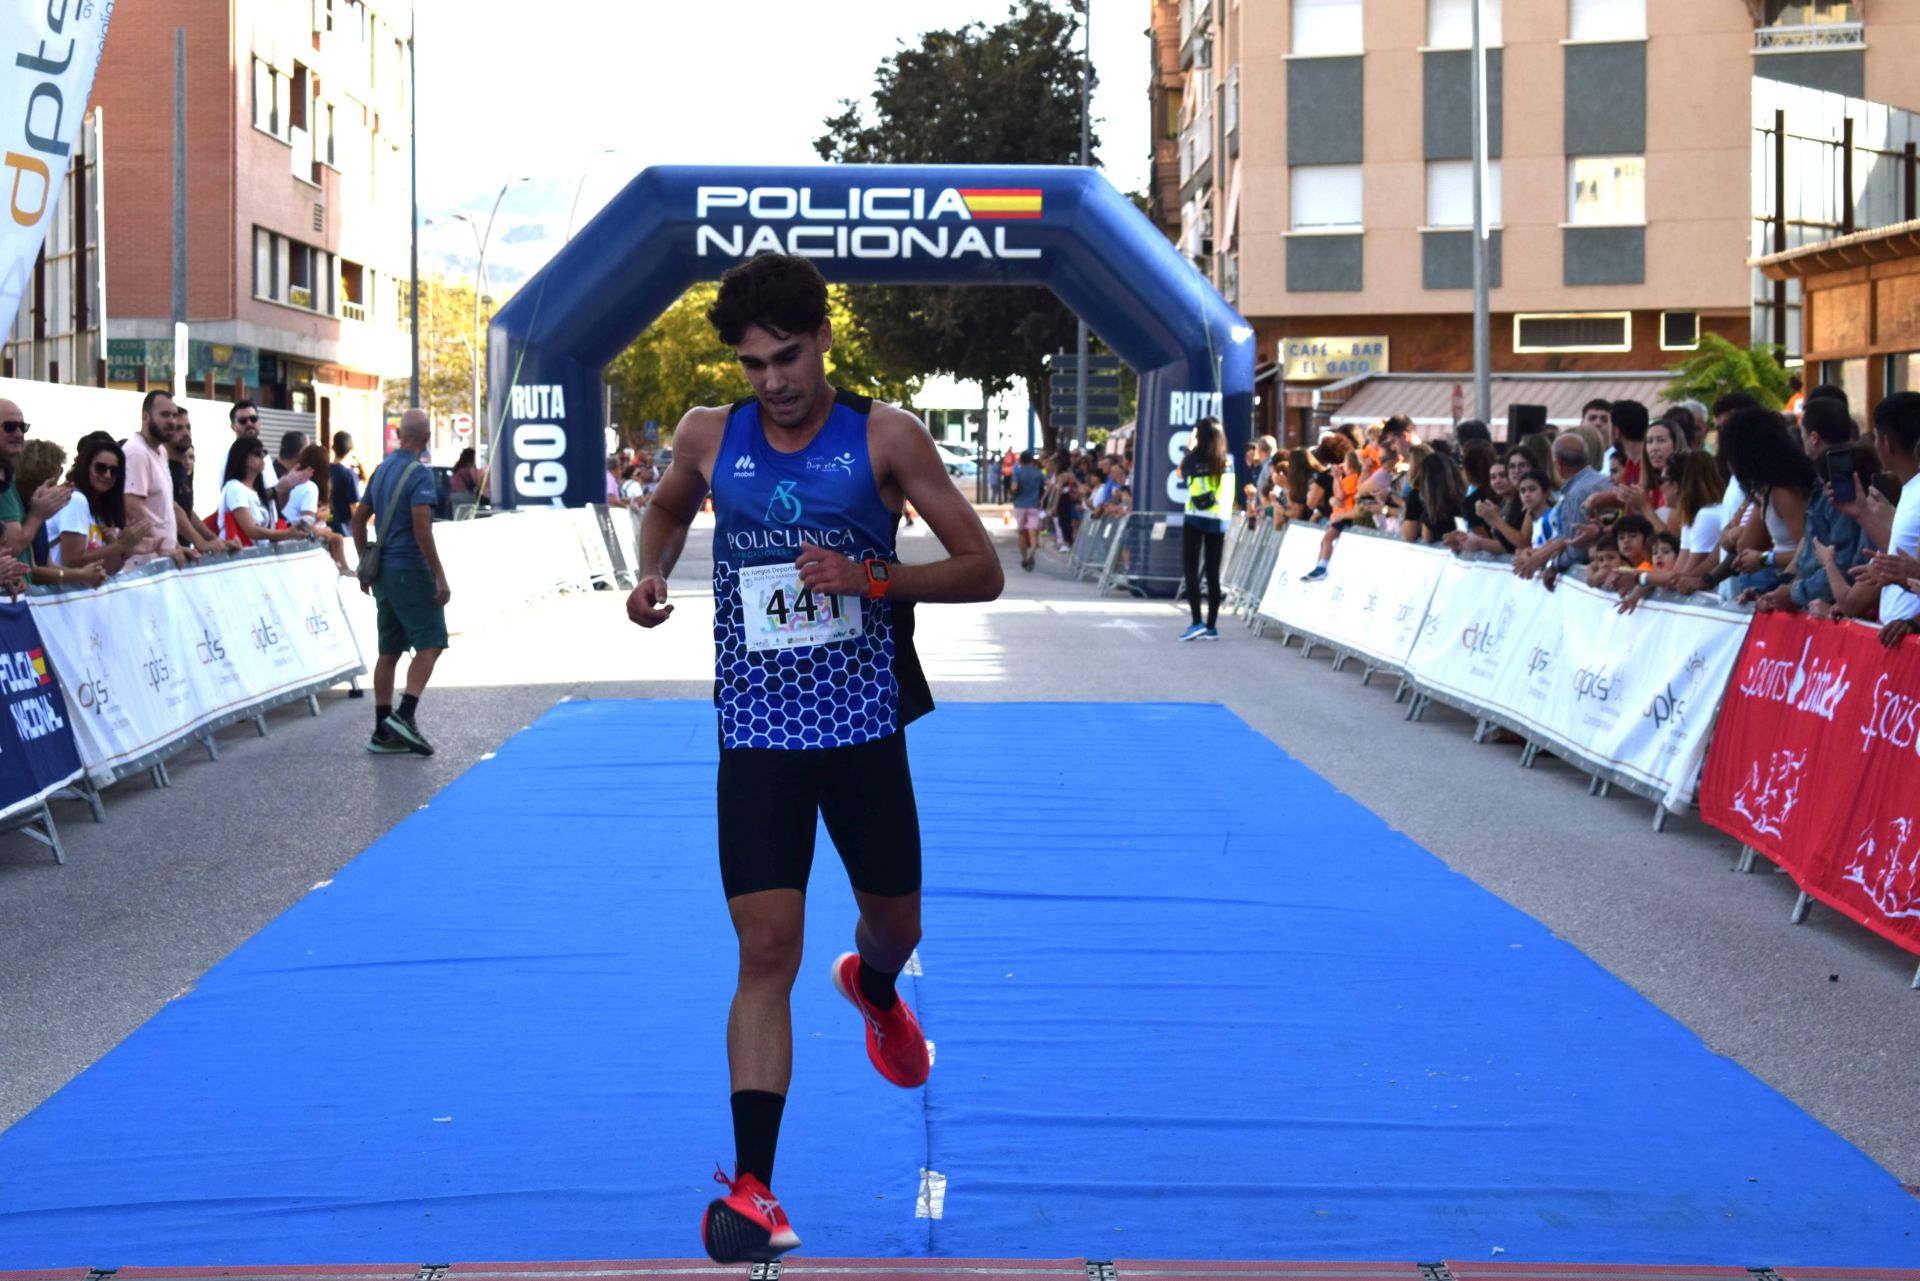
{"points": [[971, 571], [676, 499]]}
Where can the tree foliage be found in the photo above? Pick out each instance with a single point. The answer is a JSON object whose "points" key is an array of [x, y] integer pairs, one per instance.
{"points": [[1718, 367], [446, 345], [680, 363], [1004, 95]]}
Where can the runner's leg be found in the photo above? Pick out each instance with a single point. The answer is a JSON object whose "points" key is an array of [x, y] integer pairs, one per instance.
{"points": [[767, 807], [869, 809]]}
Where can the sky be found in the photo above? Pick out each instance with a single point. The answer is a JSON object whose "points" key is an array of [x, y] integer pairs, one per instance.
{"points": [[733, 82]]}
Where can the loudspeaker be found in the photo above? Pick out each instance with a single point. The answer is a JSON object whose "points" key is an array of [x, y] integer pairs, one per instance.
{"points": [[1524, 421]]}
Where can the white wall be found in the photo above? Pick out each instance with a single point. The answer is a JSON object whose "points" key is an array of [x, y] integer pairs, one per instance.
{"points": [[63, 413]]}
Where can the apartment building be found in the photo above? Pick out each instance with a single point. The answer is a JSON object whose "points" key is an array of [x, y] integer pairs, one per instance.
{"points": [[297, 204], [1326, 182]]}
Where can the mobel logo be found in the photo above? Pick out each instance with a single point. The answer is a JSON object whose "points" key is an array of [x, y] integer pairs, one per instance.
{"points": [[210, 649], [156, 671]]}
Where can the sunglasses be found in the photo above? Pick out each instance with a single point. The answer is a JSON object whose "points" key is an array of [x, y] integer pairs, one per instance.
{"points": [[14, 425], [247, 420], [105, 469]]}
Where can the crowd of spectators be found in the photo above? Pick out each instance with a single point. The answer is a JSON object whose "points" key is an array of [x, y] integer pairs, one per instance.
{"points": [[1799, 511], [121, 503]]}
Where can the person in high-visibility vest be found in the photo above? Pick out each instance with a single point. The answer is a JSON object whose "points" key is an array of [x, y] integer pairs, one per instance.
{"points": [[1208, 474]]}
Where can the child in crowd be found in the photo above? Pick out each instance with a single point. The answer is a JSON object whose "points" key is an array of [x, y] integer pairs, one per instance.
{"points": [[1666, 552], [1632, 534], [1603, 561]]}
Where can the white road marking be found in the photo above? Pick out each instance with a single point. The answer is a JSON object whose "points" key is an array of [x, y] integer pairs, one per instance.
{"points": [[913, 964], [321, 885], [933, 1196], [929, 1053]]}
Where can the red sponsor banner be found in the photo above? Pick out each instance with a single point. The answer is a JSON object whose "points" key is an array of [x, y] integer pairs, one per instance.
{"points": [[1815, 762]]}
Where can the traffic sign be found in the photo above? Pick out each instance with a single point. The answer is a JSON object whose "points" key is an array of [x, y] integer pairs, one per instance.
{"points": [[463, 425], [1067, 360]]}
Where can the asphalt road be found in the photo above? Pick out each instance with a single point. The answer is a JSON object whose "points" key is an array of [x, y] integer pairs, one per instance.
{"points": [[176, 879]]}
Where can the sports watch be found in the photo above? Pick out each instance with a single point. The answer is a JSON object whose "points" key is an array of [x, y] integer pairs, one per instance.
{"points": [[878, 579]]}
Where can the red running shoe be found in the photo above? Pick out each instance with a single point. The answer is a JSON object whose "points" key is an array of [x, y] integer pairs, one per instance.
{"points": [[747, 1225], [894, 1042]]}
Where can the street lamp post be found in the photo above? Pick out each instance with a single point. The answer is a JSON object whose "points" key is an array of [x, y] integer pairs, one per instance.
{"points": [[482, 429], [578, 187]]}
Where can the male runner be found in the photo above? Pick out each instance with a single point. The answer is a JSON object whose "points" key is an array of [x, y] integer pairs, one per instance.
{"points": [[815, 681]]}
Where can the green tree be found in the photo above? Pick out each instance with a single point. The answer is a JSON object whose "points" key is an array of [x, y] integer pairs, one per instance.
{"points": [[1004, 95], [446, 349], [1718, 367], [679, 363]]}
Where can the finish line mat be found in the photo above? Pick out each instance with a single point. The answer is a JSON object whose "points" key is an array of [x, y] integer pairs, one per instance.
{"points": [[1187, 1001]]}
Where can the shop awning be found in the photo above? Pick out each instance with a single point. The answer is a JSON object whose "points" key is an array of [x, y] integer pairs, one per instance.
{"points": [[1428, 398]]}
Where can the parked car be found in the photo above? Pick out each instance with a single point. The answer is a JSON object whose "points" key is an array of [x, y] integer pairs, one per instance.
{"points": [[959, 463]]}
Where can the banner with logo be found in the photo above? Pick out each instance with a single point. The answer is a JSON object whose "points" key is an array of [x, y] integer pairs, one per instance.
{"points": [[51, 52], [1816, 764], [1631, 696], [1371, 602], [151, 658], [37, 751]]}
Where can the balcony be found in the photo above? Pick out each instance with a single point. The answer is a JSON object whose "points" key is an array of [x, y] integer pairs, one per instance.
{"points": [[1821, 37], [300, 296], [353, 310]]}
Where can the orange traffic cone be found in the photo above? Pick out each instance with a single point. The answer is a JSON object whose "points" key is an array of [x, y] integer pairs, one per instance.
{"points": [[707, 505], [1006, 517]]}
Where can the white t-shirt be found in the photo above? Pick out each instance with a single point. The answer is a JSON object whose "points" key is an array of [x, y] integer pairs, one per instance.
{"points": [[237, 495], [303, 503], [631, 490], [1896, 602], [75, 518], [1702, 533]]}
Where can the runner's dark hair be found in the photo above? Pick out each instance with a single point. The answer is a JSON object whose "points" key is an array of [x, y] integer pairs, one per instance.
{"points": [[784, 294]]}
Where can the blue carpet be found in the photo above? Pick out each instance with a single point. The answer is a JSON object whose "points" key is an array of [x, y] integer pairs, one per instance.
{"points": [[1165, 1026]]}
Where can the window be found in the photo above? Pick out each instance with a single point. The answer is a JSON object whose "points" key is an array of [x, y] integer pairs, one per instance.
{"points": [[1326, 197], [1903, 372], [272, 107], [1591, 331], [1679, 330], [1607, 191], [286, 271], [1450, 193], [353, 290], [1606, 19], [323, 136], [1326, 27], [1809, 13], [1450, 23]]}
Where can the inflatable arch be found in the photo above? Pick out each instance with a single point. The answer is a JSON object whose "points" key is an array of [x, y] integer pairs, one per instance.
{"points": [[1062, 227]]}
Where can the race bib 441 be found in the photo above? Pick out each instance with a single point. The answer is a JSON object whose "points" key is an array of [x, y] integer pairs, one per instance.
{"points": [[778, 611]]}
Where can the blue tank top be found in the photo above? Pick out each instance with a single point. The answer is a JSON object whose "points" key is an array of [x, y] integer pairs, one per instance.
{"points": [[774, 687]]}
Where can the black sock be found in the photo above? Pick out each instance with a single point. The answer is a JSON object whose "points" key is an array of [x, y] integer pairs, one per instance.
{"points": [[877, 987], [409, 704], [756, 1132], [380, 714]]}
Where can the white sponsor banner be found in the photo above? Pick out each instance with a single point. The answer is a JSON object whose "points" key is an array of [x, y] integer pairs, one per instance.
{"points": [[1372, 600], [51, 49], [149, 658], [1635, 694]]}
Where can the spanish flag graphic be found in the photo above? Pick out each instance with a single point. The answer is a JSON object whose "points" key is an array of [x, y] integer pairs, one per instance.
{"points": [[39, 657], [1002, 202]]}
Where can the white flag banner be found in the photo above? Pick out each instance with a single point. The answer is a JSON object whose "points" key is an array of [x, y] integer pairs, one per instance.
{"points": [[1371, 602], [149, 659], [1631, 694], [52, 48]]}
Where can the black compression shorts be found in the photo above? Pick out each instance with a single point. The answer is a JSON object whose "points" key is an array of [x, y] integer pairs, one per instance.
{"points": [[769, 799]]}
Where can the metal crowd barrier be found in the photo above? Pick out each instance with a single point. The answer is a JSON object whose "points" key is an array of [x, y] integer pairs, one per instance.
{"points": [[1093, 545], [1145, 555]]}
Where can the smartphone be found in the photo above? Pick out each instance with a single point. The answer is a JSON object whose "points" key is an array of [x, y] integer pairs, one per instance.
{"points": [[1840, 474]]}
